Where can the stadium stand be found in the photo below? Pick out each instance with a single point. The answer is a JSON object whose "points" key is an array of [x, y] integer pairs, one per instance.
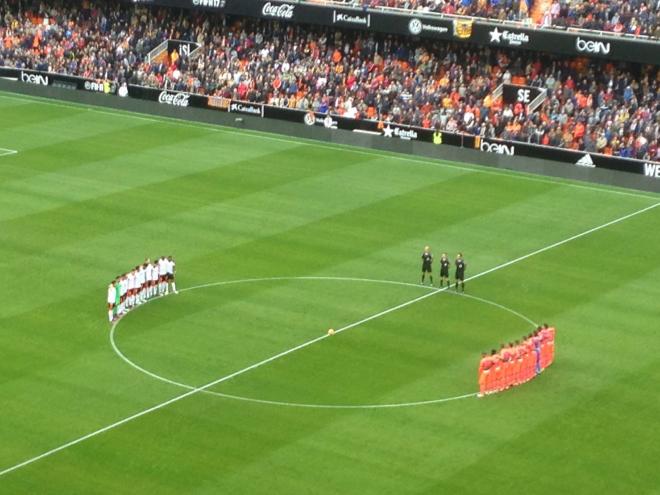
{"points": [[595, 106], [636, 17]]}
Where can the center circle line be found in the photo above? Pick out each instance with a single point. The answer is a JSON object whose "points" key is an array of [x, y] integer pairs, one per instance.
{"points": [[151, 374]]}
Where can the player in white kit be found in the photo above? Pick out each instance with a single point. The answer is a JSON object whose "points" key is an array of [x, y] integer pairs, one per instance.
{"points": [[124, 289], [147, 279], [111, 299], [143, 282], [162, 276], [132, 278], [170, 273], [140, 284], [154, 278]]}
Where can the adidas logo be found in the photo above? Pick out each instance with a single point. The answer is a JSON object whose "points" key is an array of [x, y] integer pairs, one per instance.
{"points": [[586, 161]]}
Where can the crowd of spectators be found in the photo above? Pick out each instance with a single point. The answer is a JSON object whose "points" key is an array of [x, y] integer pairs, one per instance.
{"points": [[595, 106], [639, 17]]}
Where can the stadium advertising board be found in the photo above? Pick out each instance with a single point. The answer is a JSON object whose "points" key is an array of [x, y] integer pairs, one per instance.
{"points": [[213, 5], [58, 80], [177, 99], [247, 108], [652, 170], [390, 130], [578, 158], [566, 42], [483, 32], [351, 18]]}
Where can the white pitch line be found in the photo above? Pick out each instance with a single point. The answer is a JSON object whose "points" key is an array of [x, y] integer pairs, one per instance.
{"points": [[306, 344], [186, 386], [7, 152], [396, 405], [498, 267]]}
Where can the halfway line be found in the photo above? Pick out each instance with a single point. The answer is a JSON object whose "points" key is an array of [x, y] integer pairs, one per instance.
{"points": [[308, 343]]}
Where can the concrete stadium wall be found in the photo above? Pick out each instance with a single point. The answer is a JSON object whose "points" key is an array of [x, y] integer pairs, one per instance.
{"points": [[444, 152]]}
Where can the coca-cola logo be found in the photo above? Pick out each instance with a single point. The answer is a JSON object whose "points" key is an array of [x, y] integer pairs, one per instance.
{"points": [[174, 99], [280, 11]]}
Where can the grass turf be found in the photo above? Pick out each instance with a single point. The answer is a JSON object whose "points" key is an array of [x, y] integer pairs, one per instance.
{"points": [[91, 193]]}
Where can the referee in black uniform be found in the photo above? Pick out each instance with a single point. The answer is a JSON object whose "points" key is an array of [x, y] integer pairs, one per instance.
{"points": [[460, 271], [444, 270], [427, 261]]}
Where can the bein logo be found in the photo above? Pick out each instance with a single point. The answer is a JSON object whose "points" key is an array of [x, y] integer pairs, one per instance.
{"points": [[590, 46], [499, 148], [34, 79]]}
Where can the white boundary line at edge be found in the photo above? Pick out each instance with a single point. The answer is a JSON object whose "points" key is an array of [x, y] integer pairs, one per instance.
{"points": [[303, 345], [186, 386], [437, 162], [7, 152]]}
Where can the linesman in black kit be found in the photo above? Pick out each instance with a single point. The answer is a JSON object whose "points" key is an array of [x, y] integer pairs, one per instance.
{"points": [[460, 271], [427, 262], [444, 270]]}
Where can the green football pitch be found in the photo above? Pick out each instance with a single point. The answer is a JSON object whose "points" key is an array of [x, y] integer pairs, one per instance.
{"points": [[233, 386]]}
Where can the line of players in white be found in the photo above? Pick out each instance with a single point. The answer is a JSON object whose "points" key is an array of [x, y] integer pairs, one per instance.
{"points": [[145, 281]]}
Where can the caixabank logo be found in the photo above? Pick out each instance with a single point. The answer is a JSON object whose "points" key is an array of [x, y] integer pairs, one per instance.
{"points": [[247, 108], [351, 18]]}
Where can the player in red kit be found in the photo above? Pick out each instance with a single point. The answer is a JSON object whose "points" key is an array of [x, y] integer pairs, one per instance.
{"points": [[485, 366], [516, 363], [551, 343], [507, 358]]}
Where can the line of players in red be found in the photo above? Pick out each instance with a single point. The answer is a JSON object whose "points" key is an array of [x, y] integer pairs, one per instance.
{"points": [[518, 362]]}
